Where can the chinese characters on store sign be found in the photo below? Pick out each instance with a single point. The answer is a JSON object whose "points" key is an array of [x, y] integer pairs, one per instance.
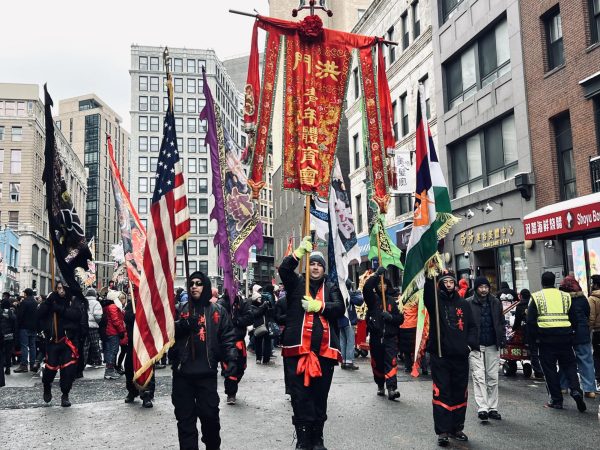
{"points": [[494, 237]]}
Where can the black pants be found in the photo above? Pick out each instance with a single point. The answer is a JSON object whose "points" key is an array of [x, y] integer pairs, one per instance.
{"points": [[231, 383], [7, 351], [60, 356], [2, 379], [148, 392], [383, 360], [309, 403], [563, 354], [262, 347], [450, 377], [596, 348], [196, 398], [81, 350]]}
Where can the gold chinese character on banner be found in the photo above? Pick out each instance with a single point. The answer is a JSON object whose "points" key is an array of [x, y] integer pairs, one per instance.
{"points": [[497, 233], [490, 235], [310, 115], [300, 57], [309, 135], [463, 238], [309, 155], [478, 238], [327, 69], [312, 96], [308, 175]]}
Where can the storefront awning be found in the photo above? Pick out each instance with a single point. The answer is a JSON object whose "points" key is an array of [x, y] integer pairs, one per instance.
{"points": [[571, 216]]}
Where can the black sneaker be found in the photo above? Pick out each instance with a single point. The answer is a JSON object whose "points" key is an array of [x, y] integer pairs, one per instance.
{"points": [[352, 366], [494, 415], [553, 405], [64, 401], [443, 440], [581, 406], [130, 398], [344, 366], [483, 416], [460, 436], [7, 371], [147, 403], [381, 391], [231, 399], [47, 393], [393, 394]]}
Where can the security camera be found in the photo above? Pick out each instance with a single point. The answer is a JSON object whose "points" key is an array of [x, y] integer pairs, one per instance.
{"points": [[549, 244], [466, 255], [470, 214], [488, 208]]}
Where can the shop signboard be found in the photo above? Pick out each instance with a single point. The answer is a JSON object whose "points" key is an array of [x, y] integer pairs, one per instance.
{"points": [[403, 173], [572, 216], [486, 237]]}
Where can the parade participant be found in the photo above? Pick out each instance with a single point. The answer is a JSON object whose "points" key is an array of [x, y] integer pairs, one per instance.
{"points": [[383, 325], [310, 343], [26, 312], [146, 394], [59, 317], [485, 358], [261, 313], [346, 326], [204, 335], [549, 318], [241, 316], [450, 371]]}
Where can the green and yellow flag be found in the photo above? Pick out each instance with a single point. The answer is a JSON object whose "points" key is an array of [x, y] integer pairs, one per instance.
{"points": [[390, 254]]}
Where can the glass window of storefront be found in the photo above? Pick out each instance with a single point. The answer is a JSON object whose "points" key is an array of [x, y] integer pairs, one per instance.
{"points": [[583, 259]]}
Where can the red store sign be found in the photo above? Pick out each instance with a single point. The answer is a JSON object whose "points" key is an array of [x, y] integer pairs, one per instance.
{"points": [[580, 214]]}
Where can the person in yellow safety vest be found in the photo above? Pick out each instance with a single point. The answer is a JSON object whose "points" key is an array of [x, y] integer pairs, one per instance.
{"points": [[549, 319]]}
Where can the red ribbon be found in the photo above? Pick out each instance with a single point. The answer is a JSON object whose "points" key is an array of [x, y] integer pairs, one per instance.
{"points": [[309, 365]]}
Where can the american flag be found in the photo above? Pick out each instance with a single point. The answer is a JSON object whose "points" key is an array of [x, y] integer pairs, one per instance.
{"points": [[169, 221]]}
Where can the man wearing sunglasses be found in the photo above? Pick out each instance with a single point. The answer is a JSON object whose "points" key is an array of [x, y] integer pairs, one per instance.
{"points": [[204, 335], [311, 345]]}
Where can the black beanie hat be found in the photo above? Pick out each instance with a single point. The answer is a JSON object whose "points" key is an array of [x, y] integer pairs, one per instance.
{"points": [[479, 281], [548, 279]]}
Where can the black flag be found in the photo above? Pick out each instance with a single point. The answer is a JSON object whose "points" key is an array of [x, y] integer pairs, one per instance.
{"points": [[66, 232]]}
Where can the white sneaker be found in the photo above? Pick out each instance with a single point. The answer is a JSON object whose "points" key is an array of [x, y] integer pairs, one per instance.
{"points": [[288, 397]]}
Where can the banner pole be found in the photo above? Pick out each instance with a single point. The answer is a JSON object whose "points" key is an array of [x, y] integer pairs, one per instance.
{"points": [[54, 317], [437, 317], [380, 264], [307, 233]]}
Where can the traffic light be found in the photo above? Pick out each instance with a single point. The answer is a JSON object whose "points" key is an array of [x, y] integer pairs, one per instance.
{"points": [[34, 284]]}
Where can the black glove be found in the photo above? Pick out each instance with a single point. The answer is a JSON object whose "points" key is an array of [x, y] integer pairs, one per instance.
{"points": [[229, 369], [387, 317], [380, 271], [121, 335]]}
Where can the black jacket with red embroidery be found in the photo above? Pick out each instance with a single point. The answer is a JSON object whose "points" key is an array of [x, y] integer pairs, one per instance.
{"points": [[295, 324], [207, 326], [372, 296], [458, 331]]}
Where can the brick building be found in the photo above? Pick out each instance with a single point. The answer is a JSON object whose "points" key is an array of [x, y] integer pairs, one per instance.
{"points": [[562, 78]]}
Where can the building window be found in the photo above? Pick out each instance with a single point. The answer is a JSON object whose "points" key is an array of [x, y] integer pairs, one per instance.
{"points": [[203, 248], [143, 103], [192, 185], [191, 125], [554, 39], [203, 185], [191, 165], [202, 226], [154, 104], [14, 190], [1, 161], [359, 221], [143, 205], [566, 164], [191, 85], [425, 82], [594, 7], [416, 17], [143, 83], [154, 123], [154, 84], [202, 165], [191, 65], [356, 151], [391, 48], [143, 144], [395, 119], [179, 268], [448, 7], [203, 267], [485, 158], [404, 114], [178, 105], [178, 124], [192, 205], [15, 161], [2, 130], [13, 219], [403, 204], [143, 123], [192, 247], [17, 134], [355, 80], [178, 85], [154, 63], [143, 63], [153, 164], [203, 205], [191, 145], [142, 184], [180, 145], [154, 144], [490, 53], [143, 164], [405, 32], [191, 105], [177, 65]]}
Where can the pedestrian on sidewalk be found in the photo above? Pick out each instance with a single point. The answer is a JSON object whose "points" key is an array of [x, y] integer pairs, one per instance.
{"points": [[59, 317], [114, 332], [261, 311], [450, 371], [582, 341], [8, 330], [520, 325], [26, 313], [550, 318], [383, 325], [346, 326], [311, 347], [594, 323], [92, 353], [485, 358], [204, 335]]}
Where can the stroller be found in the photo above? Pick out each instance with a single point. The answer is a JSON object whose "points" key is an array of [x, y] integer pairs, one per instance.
{"points": [[515, 350]]}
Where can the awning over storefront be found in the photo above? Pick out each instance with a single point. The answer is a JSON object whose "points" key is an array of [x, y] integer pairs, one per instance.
{"points": [[363, 242], [571, 216]]}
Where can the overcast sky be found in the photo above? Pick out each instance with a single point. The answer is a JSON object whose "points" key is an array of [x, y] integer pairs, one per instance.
{"points": [[79, 47]]}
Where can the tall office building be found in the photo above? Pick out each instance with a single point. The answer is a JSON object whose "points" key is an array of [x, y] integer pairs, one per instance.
{"points": [[22, 193], [85, 121], [148, 104]]}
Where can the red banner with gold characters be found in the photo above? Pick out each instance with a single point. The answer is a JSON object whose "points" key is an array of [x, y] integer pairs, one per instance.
{"points": [[317, 63]]}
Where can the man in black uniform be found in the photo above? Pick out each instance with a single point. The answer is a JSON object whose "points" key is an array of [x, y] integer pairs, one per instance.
{"points": [[383, 326], [59, 317], [310, 343], [146, 394], [450, 372], [204, 335], [241, 317]]}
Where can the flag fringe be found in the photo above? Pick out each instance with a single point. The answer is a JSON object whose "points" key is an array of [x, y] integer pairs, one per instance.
{"points": [[430, 269], [446, 221], [150, 363]]}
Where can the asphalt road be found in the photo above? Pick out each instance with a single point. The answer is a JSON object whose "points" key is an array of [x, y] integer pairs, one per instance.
{"points": [[261, 419]]}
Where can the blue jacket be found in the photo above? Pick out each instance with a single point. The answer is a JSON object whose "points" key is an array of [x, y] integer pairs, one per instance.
{"points": [[579, 316]]}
